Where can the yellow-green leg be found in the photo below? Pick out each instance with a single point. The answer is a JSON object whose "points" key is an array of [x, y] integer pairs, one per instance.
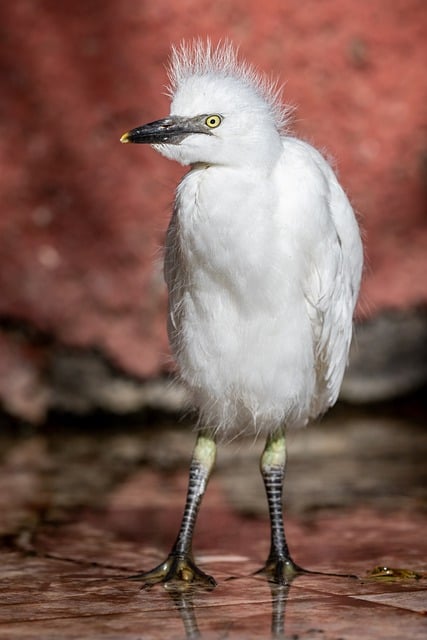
{"points": [[279, 568], [179, 569]]}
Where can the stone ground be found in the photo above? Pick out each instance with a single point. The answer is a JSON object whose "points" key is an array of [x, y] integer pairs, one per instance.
{"points": [[84, 504]]}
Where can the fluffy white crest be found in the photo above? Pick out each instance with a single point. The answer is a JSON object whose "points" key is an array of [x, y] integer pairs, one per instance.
{"points": [[200, 58]]}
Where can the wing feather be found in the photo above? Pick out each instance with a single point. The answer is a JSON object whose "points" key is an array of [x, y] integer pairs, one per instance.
{"points": [[331, 292]]}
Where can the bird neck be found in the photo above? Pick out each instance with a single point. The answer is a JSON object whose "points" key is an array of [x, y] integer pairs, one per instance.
{"points": [[262, 163]]}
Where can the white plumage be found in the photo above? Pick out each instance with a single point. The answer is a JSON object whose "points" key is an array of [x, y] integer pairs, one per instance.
{"points": [[263, 256]]}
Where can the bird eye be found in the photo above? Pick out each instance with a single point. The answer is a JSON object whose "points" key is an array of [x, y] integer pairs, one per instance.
{"points": [[213, 121]]}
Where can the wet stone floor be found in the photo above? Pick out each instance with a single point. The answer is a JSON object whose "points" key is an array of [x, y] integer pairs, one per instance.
{"points": [[84, 504]]}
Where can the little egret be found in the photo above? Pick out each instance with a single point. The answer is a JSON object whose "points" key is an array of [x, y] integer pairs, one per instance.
{"points": [[263, 262]]}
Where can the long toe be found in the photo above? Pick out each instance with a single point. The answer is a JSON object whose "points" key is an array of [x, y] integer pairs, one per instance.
{"points": [[281, 571], [176, 573]]}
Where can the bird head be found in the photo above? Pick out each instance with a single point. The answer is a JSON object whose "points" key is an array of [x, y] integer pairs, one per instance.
{"points": [[222, 111]]}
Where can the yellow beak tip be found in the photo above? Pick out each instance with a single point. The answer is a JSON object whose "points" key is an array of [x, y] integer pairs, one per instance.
{"points": [[125, 138]]}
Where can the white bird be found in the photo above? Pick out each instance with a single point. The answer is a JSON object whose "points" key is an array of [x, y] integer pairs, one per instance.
{"points": [[263, 264]]}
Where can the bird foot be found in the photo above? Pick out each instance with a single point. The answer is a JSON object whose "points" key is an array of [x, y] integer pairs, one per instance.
{"points": [[281, 571], [177, 573]]}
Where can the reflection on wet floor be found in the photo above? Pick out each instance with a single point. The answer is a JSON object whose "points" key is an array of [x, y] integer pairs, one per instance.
{"points": [[71, 600], [84, 507], [184, 602], [280, 596]]}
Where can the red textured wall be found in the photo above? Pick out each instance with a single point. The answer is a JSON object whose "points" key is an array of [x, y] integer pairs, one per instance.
{"points": [[83, 217]]}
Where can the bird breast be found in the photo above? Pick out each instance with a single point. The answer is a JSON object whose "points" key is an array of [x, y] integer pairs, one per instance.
{"points": [[232, 249], [237, 321]]}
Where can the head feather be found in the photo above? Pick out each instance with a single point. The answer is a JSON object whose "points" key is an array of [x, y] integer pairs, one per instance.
{"points": [[200, 58]]}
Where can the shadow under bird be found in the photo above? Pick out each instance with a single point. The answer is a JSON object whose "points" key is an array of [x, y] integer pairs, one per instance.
{"points": [[263, 262]]}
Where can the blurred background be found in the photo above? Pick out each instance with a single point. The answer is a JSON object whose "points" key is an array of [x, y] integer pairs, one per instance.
{"points": [[94, 448], [83, 304]]}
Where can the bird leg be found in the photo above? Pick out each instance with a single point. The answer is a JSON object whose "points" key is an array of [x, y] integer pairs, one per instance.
{"points": [[279, 568], [179, 569]]}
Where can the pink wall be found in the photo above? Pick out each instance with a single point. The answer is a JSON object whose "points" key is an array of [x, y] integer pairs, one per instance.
{"points": [[83, 217]]}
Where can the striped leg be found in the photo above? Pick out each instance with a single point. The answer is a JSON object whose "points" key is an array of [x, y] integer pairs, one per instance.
{"points": [[280, 568], [179, 566]]}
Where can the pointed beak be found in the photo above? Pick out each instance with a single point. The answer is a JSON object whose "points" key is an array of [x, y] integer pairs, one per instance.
{"points": [[170, 130]]}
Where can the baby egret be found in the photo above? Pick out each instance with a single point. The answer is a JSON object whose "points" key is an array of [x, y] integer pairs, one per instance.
{"points": [[263, 263]]}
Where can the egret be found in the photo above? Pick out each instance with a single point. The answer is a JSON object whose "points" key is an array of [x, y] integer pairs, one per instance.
{"points": [[263, 261]]}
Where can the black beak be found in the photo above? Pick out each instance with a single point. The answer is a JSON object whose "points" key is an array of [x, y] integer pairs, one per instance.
{"points": [[171, 130]]}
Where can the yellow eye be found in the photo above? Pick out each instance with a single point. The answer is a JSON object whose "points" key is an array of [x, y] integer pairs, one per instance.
{"points": [[213, 121]]}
